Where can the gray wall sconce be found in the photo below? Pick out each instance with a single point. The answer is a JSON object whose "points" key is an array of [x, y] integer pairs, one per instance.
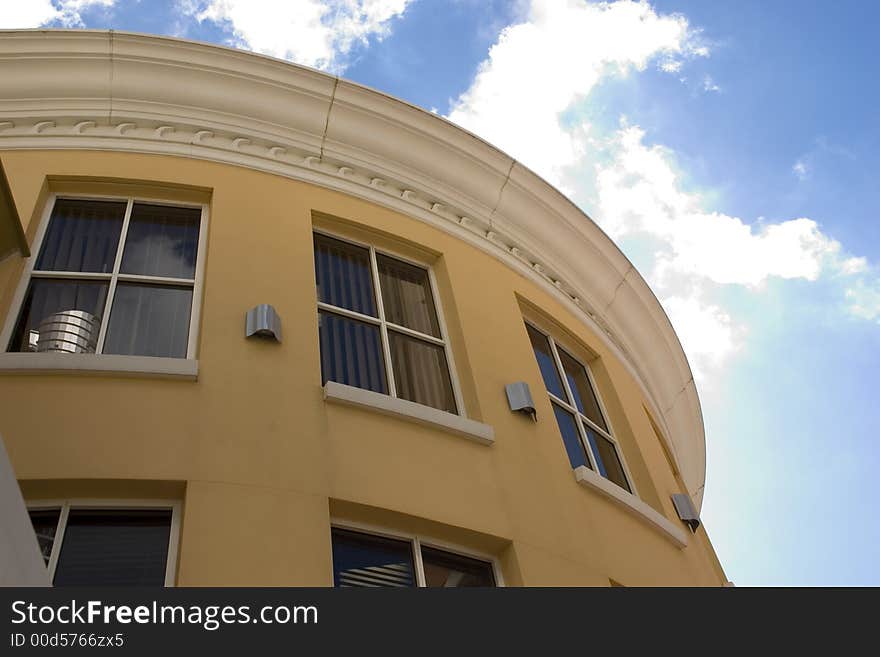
{"points": [[686, 511], [263, 321], [520, 399]]}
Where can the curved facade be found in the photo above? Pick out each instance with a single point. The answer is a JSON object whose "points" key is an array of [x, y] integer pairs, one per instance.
{"points": [[158, 190]]}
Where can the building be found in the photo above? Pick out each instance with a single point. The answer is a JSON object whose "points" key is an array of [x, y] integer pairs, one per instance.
{"points": [[355, 427]]}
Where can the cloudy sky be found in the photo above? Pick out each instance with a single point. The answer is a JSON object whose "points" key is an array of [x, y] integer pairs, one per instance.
{"points": [[731, 149]]}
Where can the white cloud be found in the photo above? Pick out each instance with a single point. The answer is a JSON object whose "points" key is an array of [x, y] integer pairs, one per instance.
{"points": [[801, 169], [542, 70], [671, 65], [311, 32], [709, 85], [16, 15], [853, 265], [640, 193], [864, 300], [709, 335], [539, 67], [35, 13]]}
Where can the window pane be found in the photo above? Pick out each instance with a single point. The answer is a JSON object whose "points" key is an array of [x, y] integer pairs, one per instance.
{"points": [[161, 241], [343, 277], [421, 374], [149, 320], [584, 397], [568, 429], [546, 362], [114, 548], [372, 561], [607, 460], [351, 353], [45, 522], [82, 236], [443, 569], [59, 315], [406, 295]]}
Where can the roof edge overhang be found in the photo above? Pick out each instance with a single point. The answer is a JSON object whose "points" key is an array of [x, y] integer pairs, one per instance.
{"points": [[109, 90]]}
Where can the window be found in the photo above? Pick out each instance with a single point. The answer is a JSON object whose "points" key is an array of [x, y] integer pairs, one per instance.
{"points": [[113, 276], [582, 422], [106, 545], [369, 560], [379, 326]]}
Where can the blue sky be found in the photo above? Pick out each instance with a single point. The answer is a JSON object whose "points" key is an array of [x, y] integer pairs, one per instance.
{"points": [[731, 149]]}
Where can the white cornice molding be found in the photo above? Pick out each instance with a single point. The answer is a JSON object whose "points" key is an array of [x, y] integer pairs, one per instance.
{"points": [[137, 93]]}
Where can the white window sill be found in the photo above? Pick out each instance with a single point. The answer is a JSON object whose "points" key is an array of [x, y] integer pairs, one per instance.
{"points": [[351, 396], [57, 363], [656, 521]]}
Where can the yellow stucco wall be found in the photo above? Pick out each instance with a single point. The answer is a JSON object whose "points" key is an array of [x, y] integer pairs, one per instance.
{"points": [[263, 462]]}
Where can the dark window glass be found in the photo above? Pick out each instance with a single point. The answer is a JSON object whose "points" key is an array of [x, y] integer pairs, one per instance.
{"points": [[607, 460], [579, 382], [443, 569], [545, 361], [82, 236], [406, 296], [421, 374], [60, 315], [114, 548], [149, 320], [45, 522], [570, 436], [372, 561], [342, 273], [351, 353], [161, 241]]}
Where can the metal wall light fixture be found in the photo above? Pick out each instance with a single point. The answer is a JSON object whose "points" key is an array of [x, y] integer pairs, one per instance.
{"points": [[520, 399], [686, 511], [263, 321]]}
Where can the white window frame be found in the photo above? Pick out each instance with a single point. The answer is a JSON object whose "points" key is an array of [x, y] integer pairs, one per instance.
{"points": [[416, 542], [65, 505], [580, 418], [384, 325], [147, 364]]}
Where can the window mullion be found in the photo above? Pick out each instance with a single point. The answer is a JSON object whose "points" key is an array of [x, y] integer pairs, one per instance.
{"points": [[415, 334], [592, 425], [602, 411], [585, 441], [447, 346], [618, 449], [383, 327], [345, 312], [417, 558], [561, 402], [59, 537], [558, 361], [627, 475], [111, 291], [195, 310], [588, 450], [71, 275], [157, 280]]}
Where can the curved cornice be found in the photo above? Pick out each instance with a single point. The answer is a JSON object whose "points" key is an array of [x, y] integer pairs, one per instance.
{"points": [[131, 92]]}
